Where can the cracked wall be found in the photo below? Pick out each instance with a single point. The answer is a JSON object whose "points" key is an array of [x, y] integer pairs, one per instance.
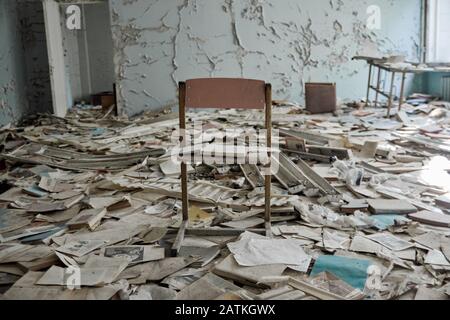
{"points": [[24, 73], [286, 42], [99, 40], [34, 43], [13, 101]]}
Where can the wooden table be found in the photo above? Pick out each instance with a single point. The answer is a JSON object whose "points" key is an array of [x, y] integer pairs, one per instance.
{"points": [[381, 64]]}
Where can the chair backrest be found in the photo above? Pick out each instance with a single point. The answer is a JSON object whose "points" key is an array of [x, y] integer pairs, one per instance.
{"points": [[225, 93]]}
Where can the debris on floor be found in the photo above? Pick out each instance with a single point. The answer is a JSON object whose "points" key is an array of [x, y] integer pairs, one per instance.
{"points": [[90, 207]]}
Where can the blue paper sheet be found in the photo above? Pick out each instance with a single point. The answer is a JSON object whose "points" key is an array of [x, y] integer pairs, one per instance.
{"points": [[384, 221], [352, 271]]}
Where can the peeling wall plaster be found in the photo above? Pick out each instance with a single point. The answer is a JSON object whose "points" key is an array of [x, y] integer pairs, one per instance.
{"points": [[36, 59], [100, 46], [160, 42], [13, 102], [24, 72], [286, 42]]}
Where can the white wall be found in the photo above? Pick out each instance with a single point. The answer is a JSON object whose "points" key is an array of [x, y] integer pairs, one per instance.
{"points": [[438, 31], [13, 101], [100, 47], [24, 70], [89, 52], [286, 42]]}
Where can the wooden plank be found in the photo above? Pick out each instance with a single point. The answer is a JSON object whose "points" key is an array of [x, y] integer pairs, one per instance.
{"points": [[225, 93], [184, 177]]}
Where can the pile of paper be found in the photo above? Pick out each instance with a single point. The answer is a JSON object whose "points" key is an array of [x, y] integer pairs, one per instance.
{"points": [[360, 208]]}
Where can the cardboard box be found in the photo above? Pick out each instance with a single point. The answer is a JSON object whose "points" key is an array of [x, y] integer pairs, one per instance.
{"points": [[320, 97], [104, 99]]}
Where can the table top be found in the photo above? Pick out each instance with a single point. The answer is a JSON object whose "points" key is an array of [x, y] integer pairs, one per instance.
{"points": [[404, 67]]}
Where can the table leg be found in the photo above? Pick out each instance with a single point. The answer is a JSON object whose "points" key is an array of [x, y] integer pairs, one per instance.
{"points": [[391, 93], [378, 86], [368, 85], [402, 92]]}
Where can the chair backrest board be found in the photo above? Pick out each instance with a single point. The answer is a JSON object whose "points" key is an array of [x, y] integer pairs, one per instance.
{"points": [[225, 93]]}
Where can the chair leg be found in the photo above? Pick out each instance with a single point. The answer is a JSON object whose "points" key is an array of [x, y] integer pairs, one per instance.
{"points": [[402, 92], [268, 206], [369, 83], [179, 239], [268, 177], [378, 87], [391, 96], [268, 227]]}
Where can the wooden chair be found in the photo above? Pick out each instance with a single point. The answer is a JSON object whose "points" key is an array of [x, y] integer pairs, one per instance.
{"points": [[224, 93]]}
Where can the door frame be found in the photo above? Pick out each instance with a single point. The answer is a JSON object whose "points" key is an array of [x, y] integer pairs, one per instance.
{"points": [[55, 50]]}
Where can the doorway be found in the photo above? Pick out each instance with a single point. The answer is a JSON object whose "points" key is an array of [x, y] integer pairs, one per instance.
{"points": [[80, 52]]}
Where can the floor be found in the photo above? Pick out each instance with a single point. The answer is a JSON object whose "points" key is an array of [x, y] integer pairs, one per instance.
{"points": [[360, 207]]}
